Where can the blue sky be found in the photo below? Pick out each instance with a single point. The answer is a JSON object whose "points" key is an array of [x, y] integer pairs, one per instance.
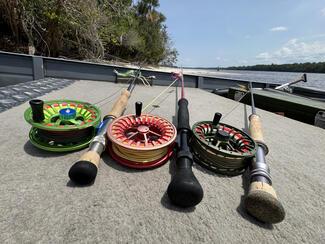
{"points": [[211, 33]]}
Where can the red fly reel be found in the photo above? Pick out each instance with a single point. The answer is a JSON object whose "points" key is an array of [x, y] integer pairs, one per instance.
{"points": [[141, 142]]}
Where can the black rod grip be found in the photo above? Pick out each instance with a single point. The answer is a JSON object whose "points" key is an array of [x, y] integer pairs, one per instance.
{"points": [[184, 190], [183, 115], [37, 109]]}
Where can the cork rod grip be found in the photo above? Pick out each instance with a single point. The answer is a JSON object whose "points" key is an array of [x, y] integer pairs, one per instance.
{"points": [[255, 128], [84, 171], [91, 157], [262, 186], [263, 204], [120, 104]]}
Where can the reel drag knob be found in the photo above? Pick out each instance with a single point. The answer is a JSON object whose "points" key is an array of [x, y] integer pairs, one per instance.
{"points": [[37, 109], [221, 135], [67, 114]]}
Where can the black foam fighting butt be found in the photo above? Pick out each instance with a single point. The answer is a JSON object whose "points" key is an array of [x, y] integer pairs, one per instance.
{"points": [[83, 172]]}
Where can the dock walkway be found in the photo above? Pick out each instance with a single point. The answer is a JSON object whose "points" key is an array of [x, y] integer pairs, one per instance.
{"points": [[38, 203]]}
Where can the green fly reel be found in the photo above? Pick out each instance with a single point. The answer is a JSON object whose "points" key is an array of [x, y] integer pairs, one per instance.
{"points": [[62, 125], [221, 148]]}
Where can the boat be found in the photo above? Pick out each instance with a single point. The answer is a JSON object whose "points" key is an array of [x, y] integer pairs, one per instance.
{"points": [[39, 203], [304, 104]]}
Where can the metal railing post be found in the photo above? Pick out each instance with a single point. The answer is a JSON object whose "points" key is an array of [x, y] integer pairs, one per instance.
{"points": [[38, 68]]}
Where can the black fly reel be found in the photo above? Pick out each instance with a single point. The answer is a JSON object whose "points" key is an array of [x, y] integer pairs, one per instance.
{"points": [[221, 148]]}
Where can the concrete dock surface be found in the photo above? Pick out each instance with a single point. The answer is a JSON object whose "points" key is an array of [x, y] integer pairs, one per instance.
{"points": [[38, 203]]}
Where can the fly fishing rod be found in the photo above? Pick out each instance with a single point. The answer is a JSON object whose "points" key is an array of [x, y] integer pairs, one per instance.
{"points": [[287, 85], [261, 200], [84, 171], [184, 189]]}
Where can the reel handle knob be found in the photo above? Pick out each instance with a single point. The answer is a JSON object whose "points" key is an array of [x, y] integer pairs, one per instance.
{"points": [[138, 109], [216, 119], [37, 109]]}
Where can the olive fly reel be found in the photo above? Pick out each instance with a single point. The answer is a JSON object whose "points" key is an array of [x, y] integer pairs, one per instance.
{"points": [[61, 125], [221, 148]]}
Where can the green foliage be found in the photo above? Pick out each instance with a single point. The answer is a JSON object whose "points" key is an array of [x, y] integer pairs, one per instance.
{"points": [[87, 29], [295, 67]]}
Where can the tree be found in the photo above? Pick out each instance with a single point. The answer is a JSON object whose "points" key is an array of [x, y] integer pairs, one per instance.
{"points": [[88, 29]]}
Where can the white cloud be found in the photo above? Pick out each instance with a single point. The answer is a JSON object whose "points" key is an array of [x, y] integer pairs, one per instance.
{"points": [[279, 28], [295, 51], [323, 11], [265, 56]]}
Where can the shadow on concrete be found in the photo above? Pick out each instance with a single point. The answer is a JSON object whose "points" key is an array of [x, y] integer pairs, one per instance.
{"points": [[71, 184], [241, 208], [30, 149], [167, 204]]}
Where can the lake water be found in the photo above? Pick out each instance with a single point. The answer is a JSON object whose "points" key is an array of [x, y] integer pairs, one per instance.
{"points": [[313, 80]]}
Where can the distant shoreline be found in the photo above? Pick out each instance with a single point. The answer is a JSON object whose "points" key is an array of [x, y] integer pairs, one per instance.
{"points": [[308, 67], [295, 67]]}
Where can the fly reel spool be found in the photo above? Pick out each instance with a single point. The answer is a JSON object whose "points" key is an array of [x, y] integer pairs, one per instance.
{"points": [[141, 141], [221, 148], [61, 125]]}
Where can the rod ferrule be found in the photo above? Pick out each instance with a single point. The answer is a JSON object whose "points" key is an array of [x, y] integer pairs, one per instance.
{"points": [[264, 146], [98, 144], [259, 170]]}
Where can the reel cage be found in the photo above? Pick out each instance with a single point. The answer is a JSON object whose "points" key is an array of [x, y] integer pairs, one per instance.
{"points": [[223, 149], [141, 142], [68, 125]]}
